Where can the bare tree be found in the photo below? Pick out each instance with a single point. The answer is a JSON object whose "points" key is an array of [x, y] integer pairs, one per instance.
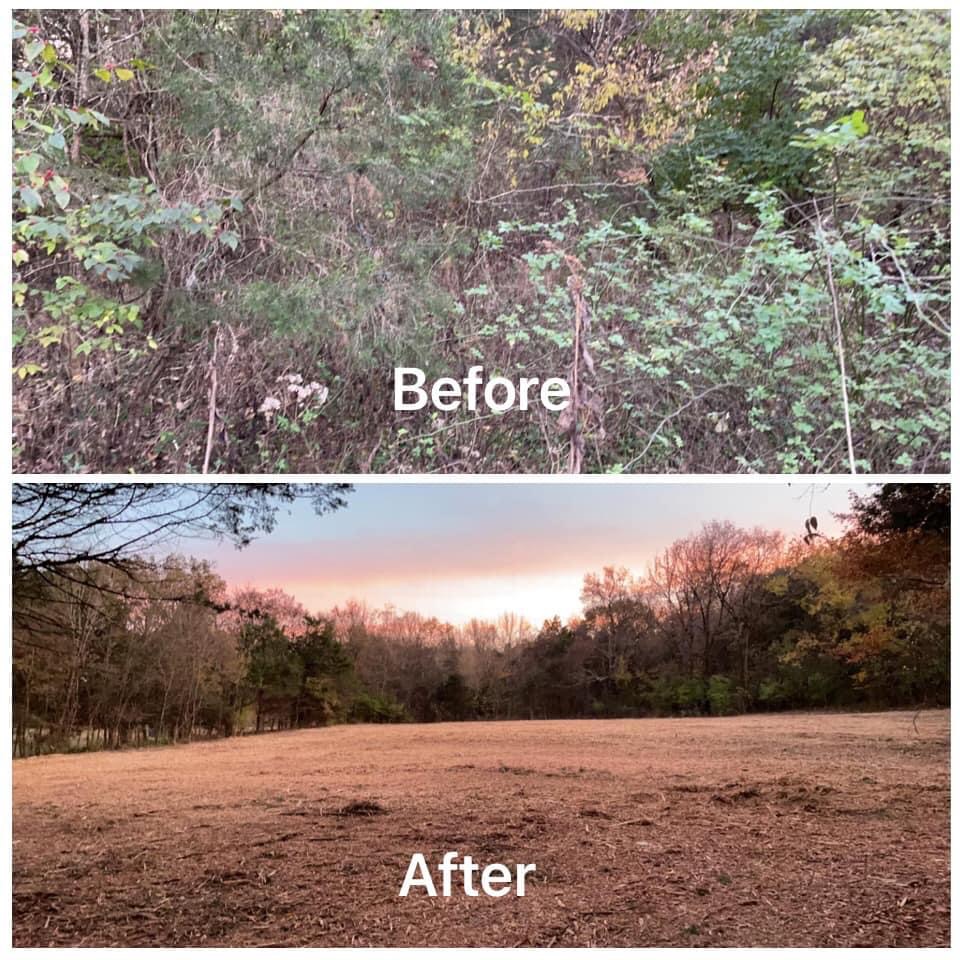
{"points": [[705, 586], [62, 525]]}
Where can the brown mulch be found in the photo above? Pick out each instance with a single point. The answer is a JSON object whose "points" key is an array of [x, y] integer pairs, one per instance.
{"points": [[799, 830]]}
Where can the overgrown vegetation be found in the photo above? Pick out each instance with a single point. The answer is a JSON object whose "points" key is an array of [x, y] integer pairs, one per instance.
{"points": [[118, 651], [230, 226]]}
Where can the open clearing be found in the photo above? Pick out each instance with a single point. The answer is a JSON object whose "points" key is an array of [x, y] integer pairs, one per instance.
{"points": [[804, 830]]}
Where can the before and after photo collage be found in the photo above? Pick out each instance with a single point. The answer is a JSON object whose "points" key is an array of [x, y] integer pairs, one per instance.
{"points": [[480, 478]]}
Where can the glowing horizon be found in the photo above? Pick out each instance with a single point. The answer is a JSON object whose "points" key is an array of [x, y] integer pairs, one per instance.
{"points": [[459, 551]]}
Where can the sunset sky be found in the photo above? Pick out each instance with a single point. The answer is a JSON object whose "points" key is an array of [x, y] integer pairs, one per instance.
{"points": [[461, 550]]}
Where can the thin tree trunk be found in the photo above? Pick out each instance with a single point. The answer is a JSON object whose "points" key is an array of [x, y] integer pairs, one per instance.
{"points": [[82, 79]]}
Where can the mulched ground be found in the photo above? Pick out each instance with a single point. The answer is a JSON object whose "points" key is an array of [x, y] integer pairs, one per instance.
{"points": [[799, 830]]}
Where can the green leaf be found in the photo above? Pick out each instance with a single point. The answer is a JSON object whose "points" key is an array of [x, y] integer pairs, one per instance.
{"points": [[31, 49], [105, 75], [857, 122], [124, 74], [30, 199], [28, 163], [49, 53], [51, 335]]}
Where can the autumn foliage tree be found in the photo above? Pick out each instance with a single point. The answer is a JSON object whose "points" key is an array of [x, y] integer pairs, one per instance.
{"points": [[882, 595]]}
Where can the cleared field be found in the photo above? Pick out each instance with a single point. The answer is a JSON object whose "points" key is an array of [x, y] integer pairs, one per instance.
{"points": [[768, 830]]}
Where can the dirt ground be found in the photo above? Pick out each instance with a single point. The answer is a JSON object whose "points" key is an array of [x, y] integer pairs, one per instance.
{"points": [[802, 830]]}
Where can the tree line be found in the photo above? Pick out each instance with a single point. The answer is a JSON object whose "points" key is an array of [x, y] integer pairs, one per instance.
{"points": [[725, 620]]}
